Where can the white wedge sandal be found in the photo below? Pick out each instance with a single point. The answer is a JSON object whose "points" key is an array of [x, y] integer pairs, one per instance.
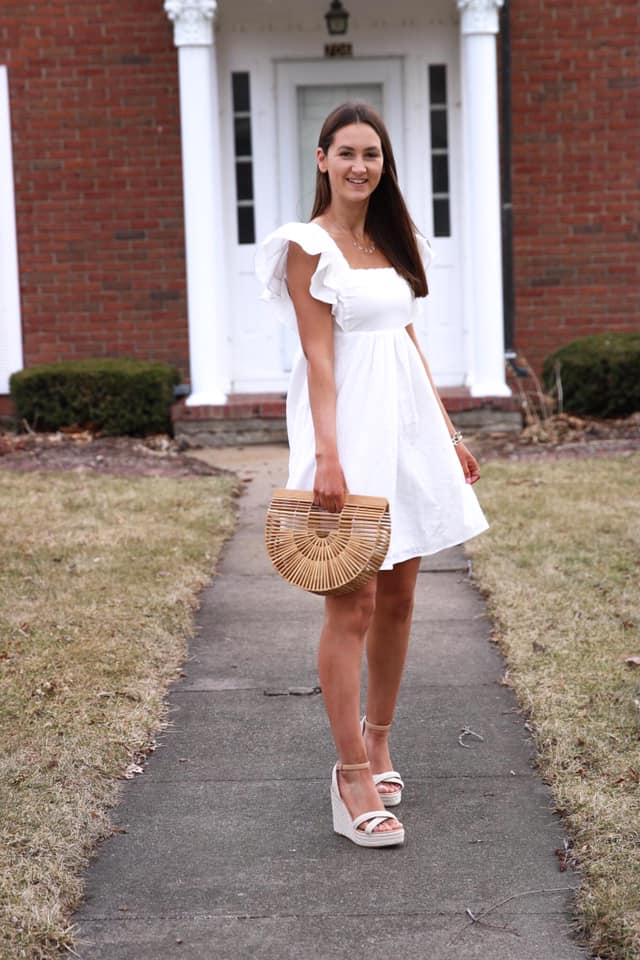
{"points": [[389, 798], [346, 827]]}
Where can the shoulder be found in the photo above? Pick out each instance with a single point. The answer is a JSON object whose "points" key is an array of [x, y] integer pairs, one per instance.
{"points": [[302, 262]]}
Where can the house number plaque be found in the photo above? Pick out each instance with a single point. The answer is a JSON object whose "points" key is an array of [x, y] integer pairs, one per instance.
{"points": [[338, 50]]}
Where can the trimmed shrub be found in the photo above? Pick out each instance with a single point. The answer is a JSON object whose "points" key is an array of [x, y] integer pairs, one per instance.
{"points": [[116, 396], [600, 374]]}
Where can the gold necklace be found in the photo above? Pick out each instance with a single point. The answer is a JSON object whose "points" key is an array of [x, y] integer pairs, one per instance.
{"points": [[369, 250]]}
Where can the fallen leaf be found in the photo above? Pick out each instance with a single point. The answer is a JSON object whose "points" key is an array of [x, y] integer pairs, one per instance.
{"points": [[132, 770], [632, 661]]}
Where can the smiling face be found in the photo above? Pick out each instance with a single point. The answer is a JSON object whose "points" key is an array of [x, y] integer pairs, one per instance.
{"points": [[354, 162]]}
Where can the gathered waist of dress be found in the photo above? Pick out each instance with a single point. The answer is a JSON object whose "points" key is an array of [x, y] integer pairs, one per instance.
{"points": [[372, 331]]}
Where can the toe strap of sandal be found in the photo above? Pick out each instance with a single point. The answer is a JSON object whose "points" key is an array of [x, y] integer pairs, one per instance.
{"points": [[376, 817], [391, 776]]}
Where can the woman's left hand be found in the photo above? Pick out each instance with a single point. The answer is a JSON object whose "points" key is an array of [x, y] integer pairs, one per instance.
{"points": [[468, 463]]}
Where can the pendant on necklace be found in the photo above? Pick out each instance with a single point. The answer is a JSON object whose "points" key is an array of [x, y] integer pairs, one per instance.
{"points": [[369, 250]]}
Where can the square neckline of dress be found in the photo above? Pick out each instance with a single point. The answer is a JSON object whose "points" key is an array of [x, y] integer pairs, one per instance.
{"points": [[354, 269]]}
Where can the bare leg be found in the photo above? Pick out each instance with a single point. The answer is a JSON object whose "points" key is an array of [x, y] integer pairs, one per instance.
{"points": [[387, 644], [339, 665]]}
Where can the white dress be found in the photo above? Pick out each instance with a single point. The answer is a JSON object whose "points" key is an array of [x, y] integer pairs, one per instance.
{"points": [[392, 438]]}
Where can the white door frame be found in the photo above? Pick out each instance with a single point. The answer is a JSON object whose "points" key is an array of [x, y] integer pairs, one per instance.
{"points": [[291, 74]]}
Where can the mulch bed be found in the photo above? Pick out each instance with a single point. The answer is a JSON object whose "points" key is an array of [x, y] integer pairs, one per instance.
{"points": [[555, 438], [561, 437], [84, 452]]}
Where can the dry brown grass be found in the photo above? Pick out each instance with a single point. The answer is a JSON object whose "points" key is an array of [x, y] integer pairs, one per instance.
{"points": [[99, 580], [561, 568]]}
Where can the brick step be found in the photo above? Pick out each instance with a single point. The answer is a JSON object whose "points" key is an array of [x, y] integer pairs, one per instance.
{"points": [[260, 418]]}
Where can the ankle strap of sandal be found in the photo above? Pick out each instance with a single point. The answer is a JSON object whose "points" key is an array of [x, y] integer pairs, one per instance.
{"points": [[353, 766], [377, 726]]}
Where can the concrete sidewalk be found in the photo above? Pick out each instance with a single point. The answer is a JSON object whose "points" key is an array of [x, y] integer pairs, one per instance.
{"points": [[229, 850]]}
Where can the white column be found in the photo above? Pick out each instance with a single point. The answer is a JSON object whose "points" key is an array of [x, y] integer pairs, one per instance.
{"points": [[209, 352], [10, 323], [479, 26]]}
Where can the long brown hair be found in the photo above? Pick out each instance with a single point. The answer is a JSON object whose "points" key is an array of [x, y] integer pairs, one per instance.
{"points": [[387, 222]]}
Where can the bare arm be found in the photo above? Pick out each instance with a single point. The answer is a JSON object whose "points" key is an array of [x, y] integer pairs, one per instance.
{"points": [[468, 462], [315, 326]]}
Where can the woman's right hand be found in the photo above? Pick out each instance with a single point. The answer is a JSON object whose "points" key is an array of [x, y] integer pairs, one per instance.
{"points": [[329, 485]]}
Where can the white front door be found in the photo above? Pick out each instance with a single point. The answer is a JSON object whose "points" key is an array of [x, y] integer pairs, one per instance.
{"points": [[418, 95]]}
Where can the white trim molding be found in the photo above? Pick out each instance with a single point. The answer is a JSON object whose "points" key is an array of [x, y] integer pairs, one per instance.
{"points": [[192, 21], [479, 16], [10, 321]]}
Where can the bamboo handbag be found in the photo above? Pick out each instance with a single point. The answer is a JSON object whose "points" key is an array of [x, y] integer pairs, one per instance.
{"points": [[322, 552]]}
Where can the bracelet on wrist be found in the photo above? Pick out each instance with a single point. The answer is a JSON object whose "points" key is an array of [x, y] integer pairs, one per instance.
{"points": [[456, 438]]}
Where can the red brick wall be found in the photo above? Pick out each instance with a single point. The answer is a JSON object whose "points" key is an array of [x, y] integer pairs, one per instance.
{"points": [[576, 162], [96, 147]]}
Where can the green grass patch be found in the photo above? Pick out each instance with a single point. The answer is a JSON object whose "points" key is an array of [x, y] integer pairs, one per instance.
{"points": [[100, 578], [561, 567]]}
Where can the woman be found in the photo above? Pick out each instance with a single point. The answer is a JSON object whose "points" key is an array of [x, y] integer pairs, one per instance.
{"points": [[363, 415]]}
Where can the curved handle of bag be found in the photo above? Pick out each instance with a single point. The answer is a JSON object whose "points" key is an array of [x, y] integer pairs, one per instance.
{"points": [[322, 523]]}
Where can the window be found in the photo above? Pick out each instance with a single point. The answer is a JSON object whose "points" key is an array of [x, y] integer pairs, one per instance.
{"points": [[243, 153], [439, 150]]}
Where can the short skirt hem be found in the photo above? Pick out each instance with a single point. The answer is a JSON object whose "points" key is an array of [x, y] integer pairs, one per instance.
{"points": [[410, 553]]}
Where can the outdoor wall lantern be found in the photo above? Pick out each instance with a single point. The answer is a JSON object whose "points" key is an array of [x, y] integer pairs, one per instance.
{"points": [[337, 19]]}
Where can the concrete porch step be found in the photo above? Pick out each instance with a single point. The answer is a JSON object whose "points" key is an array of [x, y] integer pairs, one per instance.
{"points": [[260, 417], [247, 418]]}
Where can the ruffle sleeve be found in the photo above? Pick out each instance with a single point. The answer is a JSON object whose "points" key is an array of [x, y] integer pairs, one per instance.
{"points": [[428, 255], [271, 268]]}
